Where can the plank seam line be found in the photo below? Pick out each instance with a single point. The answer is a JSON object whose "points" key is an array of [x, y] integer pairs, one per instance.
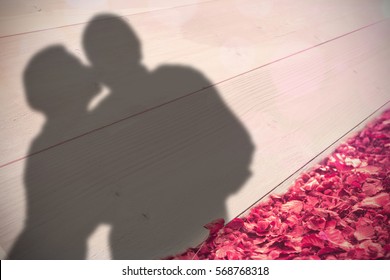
{"points": [[84, 23], [183, 96], [300, 169], [315, 157]]}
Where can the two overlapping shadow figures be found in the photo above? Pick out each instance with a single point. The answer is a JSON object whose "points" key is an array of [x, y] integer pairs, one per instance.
{"points": [[153, 175]]}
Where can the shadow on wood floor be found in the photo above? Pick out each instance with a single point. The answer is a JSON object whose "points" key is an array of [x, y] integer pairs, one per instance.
{"points": [[145, 161]]}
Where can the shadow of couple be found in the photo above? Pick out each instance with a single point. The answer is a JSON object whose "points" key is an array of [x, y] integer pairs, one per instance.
{"points": [[153, 175]]}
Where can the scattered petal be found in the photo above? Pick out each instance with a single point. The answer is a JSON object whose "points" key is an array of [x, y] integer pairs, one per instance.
{"points": [[364, 232], [312, 240], [235, 224], [215, 226], [340, 209], [372, 186], [377, 201], [294, 206]]}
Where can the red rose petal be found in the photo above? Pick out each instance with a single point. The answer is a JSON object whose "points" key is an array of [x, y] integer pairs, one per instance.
{"points": [[215, 226], [235, 224], [336, 237], [316, 223], [364, 232], [312, 240], [357, 253], [308, 258], [374, 249], [311, 201], [294, 206], [329, 250], [340, 209], [354, 162], [379, 200], [297, 231], [259, 257], [222, 252], [386, 208], [262, 226], [331, 224], [372, 187], [368, 169], [311, 184]]}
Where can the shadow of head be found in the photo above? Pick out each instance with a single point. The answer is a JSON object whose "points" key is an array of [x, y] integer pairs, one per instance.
{"points": [[57, 83], [110, 42]]}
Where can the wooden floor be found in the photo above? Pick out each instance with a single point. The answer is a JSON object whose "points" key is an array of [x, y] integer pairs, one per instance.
{"points": [[180, 113]]}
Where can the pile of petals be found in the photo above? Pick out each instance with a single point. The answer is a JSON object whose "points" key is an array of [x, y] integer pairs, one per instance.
{"points": [[340, 209]]}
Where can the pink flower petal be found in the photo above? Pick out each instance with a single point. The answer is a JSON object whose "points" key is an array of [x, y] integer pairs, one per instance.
{"points": [[364, 232], [294, 206], [329, 250], [297, 231], [312, 240], [316, 223], [262, 226], [259, 257], [354, 162], [375, 250], [221, 252], [215, 226], [235, 224], [311, 184], [377, 201], [372, 186], [336, 237], [307, 258], [311, 201], [368, 169], [358, 253], [340, 209], [386, 208]]}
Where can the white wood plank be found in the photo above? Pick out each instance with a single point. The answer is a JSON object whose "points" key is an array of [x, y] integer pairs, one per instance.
{"points": [[211, 42], [18, 16], [158, 177], [284, 185]]}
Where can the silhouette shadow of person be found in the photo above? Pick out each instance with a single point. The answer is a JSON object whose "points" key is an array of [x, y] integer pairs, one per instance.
{"points": [[52, 87], [161, 155]]}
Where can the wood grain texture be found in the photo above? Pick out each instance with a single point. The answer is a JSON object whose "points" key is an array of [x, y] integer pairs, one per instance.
{"points": [[27, 16], [208, 155], [228, 48]]}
